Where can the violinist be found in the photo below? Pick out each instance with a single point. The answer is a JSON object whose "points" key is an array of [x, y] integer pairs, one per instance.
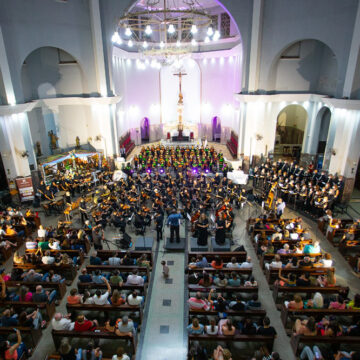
{"points": [[202, 230], [83, 210]]}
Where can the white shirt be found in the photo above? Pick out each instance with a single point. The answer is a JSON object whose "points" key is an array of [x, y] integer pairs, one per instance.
{"points": [[134, 280], [55, 245], [41, 233], [208, 330], [114, 261], [134, 301], [102, 300], [327, 263], [124, 357], [274, 265], [48, 260], [62, 324], [246, 265], [231, 265]]}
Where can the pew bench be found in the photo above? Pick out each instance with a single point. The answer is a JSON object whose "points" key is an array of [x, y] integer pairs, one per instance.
{"points": [[70, 253], [69, 271], [264, 258], [33, 334], [21, 305], [224, 256], [57, 335], [59, 287]]}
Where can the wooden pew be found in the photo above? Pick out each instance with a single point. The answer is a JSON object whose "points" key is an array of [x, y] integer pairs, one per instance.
{"points": [[272, 274], [225, 270], [268, 340], [315, 340], [49, 308], [105, 308], [122, 268], [59, 287], [57, 335], [224, 256], [106, 254], [234, 289], [306, 289], [70, 253], [286, 313], [269, 257], [33, 334], [69, 270], [251, 313]]}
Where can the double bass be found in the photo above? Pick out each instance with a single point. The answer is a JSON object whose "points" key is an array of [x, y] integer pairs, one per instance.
{"points": [[270, 198]]}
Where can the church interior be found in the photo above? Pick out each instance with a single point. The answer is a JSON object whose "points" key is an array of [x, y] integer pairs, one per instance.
{"points": [[180, 179]]}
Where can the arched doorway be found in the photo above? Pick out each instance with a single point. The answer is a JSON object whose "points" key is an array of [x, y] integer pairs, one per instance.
{"points": [[290, 128], [145, 130], [323, 117], [216, 129]]}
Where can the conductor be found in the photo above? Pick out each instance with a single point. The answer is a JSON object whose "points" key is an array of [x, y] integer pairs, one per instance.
{"points": [[174, 221]]}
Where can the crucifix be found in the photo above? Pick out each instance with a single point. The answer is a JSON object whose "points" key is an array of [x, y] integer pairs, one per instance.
{"points": [[180, 75], [180, 105]]}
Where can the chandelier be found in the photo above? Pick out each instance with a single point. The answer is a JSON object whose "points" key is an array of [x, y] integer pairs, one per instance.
{"points": [[165, 29]]}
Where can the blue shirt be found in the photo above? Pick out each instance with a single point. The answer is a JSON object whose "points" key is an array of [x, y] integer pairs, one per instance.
{"points": [[174, 219]]}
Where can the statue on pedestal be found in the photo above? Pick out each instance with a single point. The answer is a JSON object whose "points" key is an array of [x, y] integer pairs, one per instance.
{"points": [[53, 140], [77, 140], [38, 149]]}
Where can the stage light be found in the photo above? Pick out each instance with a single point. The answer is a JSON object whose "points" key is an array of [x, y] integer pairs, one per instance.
{"points": [[207, 171], [128, 32], [210, 31], [194, 29], [194, 171], [148, 171], [148, 30], [161, 171], [171, 29]]}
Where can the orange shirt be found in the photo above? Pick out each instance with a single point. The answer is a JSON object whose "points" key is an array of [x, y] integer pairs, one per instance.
{"points": [[76, 299], [10, 231]]}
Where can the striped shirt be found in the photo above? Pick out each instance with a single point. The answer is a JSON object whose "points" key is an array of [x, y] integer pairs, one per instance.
{"points": [[198, 304]]}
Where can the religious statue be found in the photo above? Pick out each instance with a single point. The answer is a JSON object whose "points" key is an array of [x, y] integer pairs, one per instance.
{"points": [[53, 140], [77, 140], [180, 105], [38, 149]]}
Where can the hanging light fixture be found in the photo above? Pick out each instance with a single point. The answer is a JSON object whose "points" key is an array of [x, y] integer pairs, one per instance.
{"points": [[216, 36], [145, 45], [116, 39], [162, 45], [171, 29], [130, 44], [148, 30], [128, 31], [210, 31], [178, 43], [207, 39], [193, 42], [194, 29]]}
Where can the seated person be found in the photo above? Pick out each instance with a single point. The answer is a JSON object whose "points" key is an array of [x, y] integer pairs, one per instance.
{"points": [[313, 248], [102, 299], [212, 328], [233, 263], [74, 297], [206, 280], [226, 327], [116, 279], [134, 279], [94, 259], [125, 327], [296, 304], [317, 302], [217, 263], [195, 328], [220, 280], [83, 324], [41, 295], [47, 258], [85, 277], [62, 322], [134, 299], [246, 264], [198, 303], [266, 329], [234, 280], [305, 327], [275, 264], [117, 299]]}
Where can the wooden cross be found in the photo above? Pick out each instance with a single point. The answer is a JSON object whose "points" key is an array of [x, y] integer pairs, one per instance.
{"points": [[180, 75]]}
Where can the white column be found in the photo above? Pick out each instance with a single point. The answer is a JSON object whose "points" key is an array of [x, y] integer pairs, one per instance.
{"points": [[256, 35], [353, 56], [5, 71], [98, 46]]}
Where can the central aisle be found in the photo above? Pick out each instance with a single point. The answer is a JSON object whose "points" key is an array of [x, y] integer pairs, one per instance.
{"points": [[164, 331]]}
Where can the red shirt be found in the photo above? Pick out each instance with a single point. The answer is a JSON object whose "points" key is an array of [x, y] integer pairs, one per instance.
{"points": [[87, 325]]}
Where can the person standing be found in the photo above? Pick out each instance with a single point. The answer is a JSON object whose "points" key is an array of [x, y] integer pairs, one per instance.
{"points": [[220, 230], [159, 221], [202, 227], [174, 222], [83, 211], [280, 207]]}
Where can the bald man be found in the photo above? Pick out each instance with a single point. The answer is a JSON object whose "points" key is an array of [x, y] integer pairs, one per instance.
{"points": [[62, 322]]}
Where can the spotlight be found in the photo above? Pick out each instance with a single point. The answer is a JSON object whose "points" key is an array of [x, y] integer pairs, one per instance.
{"points": [[148, 30], [148, 171], [128, 32], [194, 171], [161, 171], [207, 39], [207, 171]]}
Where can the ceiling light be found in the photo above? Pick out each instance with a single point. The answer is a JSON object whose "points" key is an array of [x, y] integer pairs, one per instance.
{"points": [[130, 43], [193, 42], [178, 43], [145, 45], [210, 31], [207, 39], [216, 35], [162, 44], [194, 29], [171, 29], [148, 30], [116, 39], [128, 32]]}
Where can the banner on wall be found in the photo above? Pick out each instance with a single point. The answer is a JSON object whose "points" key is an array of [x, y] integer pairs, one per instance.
{"points": [[26, 189]]}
